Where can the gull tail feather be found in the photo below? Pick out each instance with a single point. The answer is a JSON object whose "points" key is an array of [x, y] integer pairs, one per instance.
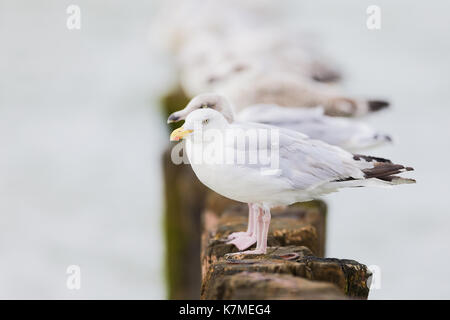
{"points": [[352, 107], [382, 173]]}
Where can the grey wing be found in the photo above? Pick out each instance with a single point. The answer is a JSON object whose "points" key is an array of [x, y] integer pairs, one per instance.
{"points": [[273, 114], [248, 126], [304, 163], [342, 132], [309, 163], [345, 133]]}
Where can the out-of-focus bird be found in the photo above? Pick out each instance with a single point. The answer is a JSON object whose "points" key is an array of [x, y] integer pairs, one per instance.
{"points": [[284, 89], [346, 133]]}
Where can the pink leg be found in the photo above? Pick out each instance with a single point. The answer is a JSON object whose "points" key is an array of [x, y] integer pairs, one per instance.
{"points": [[262, 231], [262, 245], [250, 227], [247, 239]]}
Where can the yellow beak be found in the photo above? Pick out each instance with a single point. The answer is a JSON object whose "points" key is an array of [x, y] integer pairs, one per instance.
{"points": [[179, 133]]}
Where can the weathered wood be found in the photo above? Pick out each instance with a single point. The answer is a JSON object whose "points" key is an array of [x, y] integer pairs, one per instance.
{"points": [[347, 275], [301, 224], [294, 250], [257, 285], [184, 202], [175, 100], [296, 225]]}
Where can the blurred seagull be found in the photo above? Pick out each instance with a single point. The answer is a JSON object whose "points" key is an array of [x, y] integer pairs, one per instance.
{"points": [[348, 134], [249, 80], [208, 60], [285, 89], [307, 168], [252, 56]]}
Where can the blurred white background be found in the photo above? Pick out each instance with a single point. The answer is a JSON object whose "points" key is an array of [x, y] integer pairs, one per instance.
{"points": [[81, 137], [81, 140], [405, 231]]}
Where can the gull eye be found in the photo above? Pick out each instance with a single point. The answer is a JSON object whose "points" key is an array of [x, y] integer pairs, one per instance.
{"points": [[205, 121]]}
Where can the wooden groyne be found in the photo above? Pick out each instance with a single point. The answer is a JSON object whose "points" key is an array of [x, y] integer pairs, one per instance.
{"points": [[198, 221], [293, 268]]}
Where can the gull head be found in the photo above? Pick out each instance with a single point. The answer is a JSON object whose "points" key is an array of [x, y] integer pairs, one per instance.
{"points": [[200, 121], [205, 101]]}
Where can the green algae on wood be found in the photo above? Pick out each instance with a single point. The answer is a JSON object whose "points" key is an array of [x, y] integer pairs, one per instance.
{"points": [[175, 100], [184, 202]]}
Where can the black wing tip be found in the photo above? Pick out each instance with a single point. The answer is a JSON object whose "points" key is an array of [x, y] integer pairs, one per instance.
{"points": [[383, 137], [397, 179], [377, 105], [359, 157], [327, 77]]}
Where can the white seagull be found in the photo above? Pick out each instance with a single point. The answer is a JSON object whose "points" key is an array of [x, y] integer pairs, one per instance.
{"points": [[307, 168], [345, 133]]}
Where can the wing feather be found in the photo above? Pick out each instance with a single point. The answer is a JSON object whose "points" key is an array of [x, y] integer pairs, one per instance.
{"points": [[306, 163]]}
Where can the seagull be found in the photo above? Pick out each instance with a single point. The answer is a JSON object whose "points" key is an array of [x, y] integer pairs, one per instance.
{"points": [[259, 86], [347, 134], [251, 57], [207, 60], [305, 168], [258, 78]]}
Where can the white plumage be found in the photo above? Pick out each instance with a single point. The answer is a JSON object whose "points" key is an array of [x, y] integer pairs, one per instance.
{"points": [[307, 168], [348, 134]]}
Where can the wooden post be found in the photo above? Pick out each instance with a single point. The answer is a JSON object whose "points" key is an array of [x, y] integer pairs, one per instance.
{"points": [[184, 203], [293, 268]]}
